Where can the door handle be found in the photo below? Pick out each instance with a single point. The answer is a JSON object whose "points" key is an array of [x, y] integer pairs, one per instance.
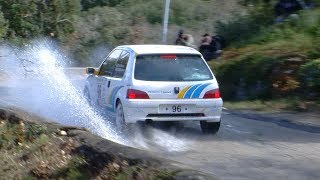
{"points": [[109, 83]]}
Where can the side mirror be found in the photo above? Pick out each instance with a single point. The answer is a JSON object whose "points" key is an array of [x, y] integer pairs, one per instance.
{"points": [[91, 70]]}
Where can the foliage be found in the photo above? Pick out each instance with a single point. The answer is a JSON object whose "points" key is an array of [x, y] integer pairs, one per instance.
{"points": [[12, 133], [246, 77], [274, 105], [246, 27], [282, 56], [82, 25], [29, 19], [3, 26], [22, 17], [258, 26], [94, 29], [74, 170], [310, 77], [57, 18], [87, 4]]}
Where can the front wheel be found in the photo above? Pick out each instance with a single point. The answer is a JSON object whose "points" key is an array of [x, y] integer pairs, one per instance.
{"points": [[209, 127]]}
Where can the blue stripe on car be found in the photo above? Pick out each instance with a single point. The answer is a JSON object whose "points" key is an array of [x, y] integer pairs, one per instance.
{"points": [[190, 91], [198, 91], [113, 97]]}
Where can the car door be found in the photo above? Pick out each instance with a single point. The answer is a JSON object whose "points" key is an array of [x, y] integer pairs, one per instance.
{"points": [[103, 79], [117, 81]]}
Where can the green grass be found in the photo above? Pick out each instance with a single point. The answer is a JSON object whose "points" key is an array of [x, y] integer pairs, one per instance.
{"points": [[75, 169], [284, 104]]}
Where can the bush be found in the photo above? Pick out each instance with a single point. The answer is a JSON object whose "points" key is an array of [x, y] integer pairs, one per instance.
{"points": [[246, 78], [256, 76], [310, 77], [244, 28], [273, 57]]}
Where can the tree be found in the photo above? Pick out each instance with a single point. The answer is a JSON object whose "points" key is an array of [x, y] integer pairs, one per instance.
{"points": [[57, 17], [100, 26], [3, 26], [31, 18], [21, 16], [87, 4]]}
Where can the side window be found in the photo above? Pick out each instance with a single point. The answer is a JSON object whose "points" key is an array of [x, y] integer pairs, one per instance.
{"points": [[108, 65], [121, 65]]}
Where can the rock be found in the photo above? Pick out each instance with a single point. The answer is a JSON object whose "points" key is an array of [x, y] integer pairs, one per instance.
{"points": [[3, 114], [1, 123], [125, 163], [113, 167], [63, 133], [116, 166], [14, 119]]}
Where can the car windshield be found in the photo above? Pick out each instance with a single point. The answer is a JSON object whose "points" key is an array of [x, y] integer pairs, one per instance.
{"points": [[171, 68]]}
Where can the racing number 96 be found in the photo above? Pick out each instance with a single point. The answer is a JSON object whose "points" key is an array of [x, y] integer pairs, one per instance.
{"points": [[176, 108]]}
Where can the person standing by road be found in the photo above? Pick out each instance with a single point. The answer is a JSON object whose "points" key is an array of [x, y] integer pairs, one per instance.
{"points": [[210, 47], [185, 39]]}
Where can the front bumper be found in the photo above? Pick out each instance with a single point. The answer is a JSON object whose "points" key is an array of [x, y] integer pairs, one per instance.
{"points": [[141, 110]]}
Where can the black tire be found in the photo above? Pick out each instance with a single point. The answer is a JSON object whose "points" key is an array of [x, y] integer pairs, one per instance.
{"points": [[120, 121], [209, 127]]}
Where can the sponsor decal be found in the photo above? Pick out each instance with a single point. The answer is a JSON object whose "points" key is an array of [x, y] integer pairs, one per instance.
{"points": [[160, 92]]}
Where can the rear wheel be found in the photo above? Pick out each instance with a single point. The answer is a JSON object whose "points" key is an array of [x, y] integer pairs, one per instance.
{"points": [[120, 120], [209, 127]]}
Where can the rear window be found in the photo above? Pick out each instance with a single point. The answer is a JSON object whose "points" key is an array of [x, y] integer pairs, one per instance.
{"points": [[171, 68]]}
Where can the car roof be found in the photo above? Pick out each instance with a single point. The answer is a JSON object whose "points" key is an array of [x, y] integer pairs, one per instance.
{"points": [[159, 49]]}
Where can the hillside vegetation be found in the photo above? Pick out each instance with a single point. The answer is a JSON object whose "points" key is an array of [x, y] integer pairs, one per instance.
{"points": [[31, 148], [88, 28], [267, 60], [263, 59]]}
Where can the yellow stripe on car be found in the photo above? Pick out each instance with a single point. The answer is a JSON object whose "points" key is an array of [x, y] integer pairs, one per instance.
{"points": [[181, 94]]}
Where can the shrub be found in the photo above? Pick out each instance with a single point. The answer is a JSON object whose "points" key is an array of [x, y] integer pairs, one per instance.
{"points": [[310, 77], [246, 78], [242, 29]]}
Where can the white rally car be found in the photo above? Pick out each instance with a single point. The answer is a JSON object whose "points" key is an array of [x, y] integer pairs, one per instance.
{"points": [[155, 83]]}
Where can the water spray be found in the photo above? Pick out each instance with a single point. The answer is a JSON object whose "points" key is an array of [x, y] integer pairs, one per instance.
{"points": [[38, 84]]}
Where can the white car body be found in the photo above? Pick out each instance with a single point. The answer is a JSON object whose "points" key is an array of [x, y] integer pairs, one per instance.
{"points": [[166, 100]]}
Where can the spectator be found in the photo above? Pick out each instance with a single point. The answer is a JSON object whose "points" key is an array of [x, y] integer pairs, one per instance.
{"points": [[184, 39], [210, 47], [284, 8]]}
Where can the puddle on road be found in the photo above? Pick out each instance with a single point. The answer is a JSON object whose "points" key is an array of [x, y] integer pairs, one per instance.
{"points": [[38, 84]]}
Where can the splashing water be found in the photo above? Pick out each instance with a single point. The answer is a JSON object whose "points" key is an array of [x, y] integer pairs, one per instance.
{"points": [[50, 93], [39, 84], [159, 140]]}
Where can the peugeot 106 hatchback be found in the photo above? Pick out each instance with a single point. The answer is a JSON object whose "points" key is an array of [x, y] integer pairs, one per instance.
{"points": [[156, 83]]}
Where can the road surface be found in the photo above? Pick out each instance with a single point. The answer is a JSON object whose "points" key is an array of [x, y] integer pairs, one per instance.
{"points": [[244, 148], [251, 149]]}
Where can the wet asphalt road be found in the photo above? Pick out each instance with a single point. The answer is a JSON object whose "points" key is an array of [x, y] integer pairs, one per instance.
{"points": [[248, 148], [245, 148]]}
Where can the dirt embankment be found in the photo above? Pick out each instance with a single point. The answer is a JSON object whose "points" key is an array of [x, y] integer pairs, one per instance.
{"points": [[33, 148]]}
